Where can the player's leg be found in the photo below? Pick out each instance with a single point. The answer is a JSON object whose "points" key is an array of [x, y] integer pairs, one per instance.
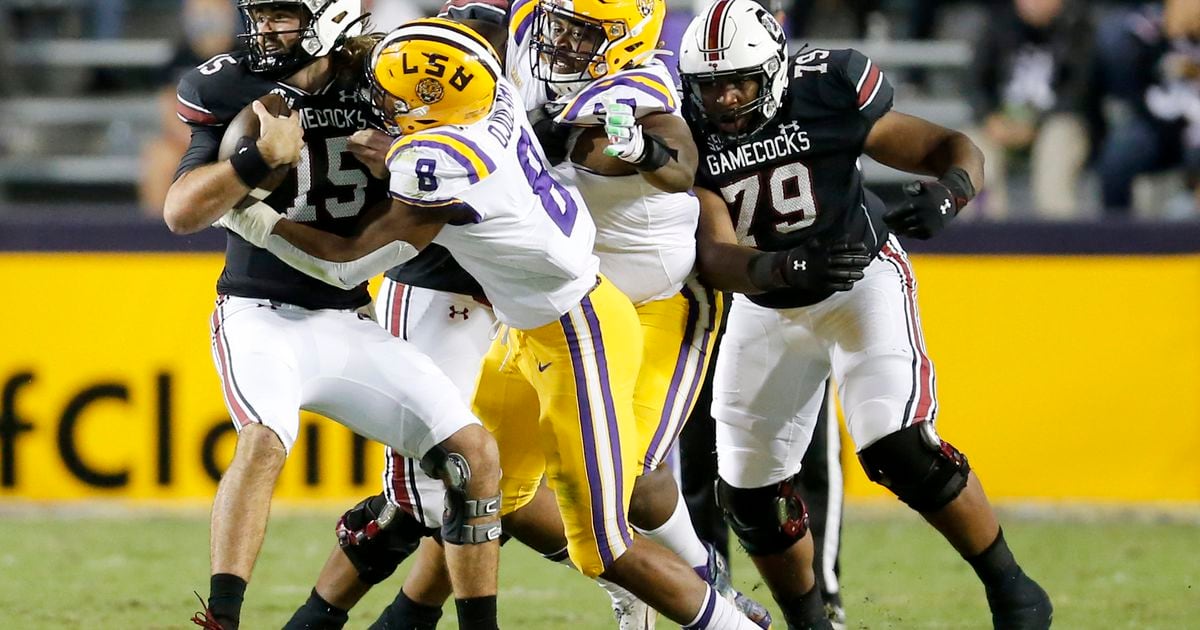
{"points": [[821, 485], [767, 391], [456, 328], [888, 391], [374, 536], [678, 338], [418, 604], [415, 408], [584, 368], [260, 383]]}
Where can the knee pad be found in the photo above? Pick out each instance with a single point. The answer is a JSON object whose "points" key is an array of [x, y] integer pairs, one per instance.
{"points": [[454, 471], [767, 520], [918, 466], [377, 536]]}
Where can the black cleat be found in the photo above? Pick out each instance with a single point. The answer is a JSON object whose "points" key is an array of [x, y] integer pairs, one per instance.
{"points": [[1030, 610]]}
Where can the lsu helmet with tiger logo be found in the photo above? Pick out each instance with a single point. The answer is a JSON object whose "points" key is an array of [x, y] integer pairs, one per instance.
{"points": [[324, 25], [578, 41], [432, 72]]}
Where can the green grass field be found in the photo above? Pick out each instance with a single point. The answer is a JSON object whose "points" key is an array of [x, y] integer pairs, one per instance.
{"points": [[136, 569]]}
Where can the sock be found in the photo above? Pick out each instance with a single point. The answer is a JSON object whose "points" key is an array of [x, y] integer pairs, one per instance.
{"points": [[996, 565], [404, 613], [678, 535], [1003, 580], [805, 611], [317, 614], [225, 593], [477, 613], [717, 613]]}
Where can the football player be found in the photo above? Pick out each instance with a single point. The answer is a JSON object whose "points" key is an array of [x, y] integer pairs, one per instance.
{"points": [[825, 287], [468, 174], [283, 341], [602, 101]]}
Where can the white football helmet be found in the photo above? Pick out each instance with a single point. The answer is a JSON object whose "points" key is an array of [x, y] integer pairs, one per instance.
{"points": [[734, 39], [325, 24]]}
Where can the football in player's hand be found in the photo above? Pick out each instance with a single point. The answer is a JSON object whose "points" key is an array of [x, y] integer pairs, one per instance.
{"points": [[246, 125]]}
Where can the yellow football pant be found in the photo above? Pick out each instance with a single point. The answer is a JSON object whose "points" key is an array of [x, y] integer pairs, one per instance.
{"points": [[559, 400]]}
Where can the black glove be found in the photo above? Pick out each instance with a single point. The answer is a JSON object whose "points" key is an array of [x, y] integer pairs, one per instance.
{"points": [[931, 205], [551, 135], [833, 268]]}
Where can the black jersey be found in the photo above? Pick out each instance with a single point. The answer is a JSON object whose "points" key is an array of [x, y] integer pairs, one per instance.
{"points": [[798, 181], [328, 189], [434, 268]]}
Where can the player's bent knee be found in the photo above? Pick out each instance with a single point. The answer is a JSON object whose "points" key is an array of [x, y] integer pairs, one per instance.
{"points": [[767, 520], [472, 508], [919, 467], [376, 536], [260, 446]]}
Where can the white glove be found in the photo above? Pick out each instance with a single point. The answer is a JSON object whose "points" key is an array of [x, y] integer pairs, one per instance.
{"points": [[253, 224], [625, 139]]}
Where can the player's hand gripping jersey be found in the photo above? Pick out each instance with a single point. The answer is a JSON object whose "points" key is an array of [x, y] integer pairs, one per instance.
{"points": [[530, 242], [798, 179], [328, 189], [645, 237]]}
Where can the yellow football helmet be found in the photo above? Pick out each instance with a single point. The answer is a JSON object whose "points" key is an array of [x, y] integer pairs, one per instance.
{"points": [[431, 72], [578, 41]]}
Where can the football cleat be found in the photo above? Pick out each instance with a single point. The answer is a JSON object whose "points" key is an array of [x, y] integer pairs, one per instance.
{"points": [[716, 573], [1034, 613], [204, 617], [634, 614]]}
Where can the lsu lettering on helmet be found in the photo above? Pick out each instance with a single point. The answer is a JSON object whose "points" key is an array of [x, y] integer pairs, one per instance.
{"points": [[324, 25], [738, 41], [577, 41], [432, 72]]}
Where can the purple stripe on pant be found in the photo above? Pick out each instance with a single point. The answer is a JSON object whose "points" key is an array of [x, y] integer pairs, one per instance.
{"points": [[614, 432], [595, 486], [665, 423]]}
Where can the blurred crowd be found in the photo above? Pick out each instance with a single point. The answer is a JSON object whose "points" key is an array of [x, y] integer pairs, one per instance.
{"points": [[1083, 109]]}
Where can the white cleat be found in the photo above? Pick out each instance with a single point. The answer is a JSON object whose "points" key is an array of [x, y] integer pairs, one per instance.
{"points": [[634, 614]]}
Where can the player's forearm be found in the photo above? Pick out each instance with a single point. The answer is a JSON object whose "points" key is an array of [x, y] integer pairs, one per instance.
{"points": [[957, 151], [679, 172], [200, 196], [672, 178], [726, 266]]}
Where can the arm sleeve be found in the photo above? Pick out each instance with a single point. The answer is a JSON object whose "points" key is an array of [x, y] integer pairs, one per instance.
{"points": [[436, 169], [207, 127], [202, 149]]}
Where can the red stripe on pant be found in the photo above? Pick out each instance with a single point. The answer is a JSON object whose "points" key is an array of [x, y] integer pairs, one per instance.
{"points": [[240, 415], [924, 375]]}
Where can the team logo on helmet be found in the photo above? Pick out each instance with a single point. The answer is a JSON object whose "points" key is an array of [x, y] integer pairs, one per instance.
{"points": [[771, 25], [430, 90], [645, 7]]}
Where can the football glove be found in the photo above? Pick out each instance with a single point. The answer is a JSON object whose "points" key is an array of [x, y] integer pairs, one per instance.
{"points": [[930, 205], [625, 139], [833, 268]]}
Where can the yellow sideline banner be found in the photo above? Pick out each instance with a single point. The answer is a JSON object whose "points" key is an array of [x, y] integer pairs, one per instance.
{"points": [[1060, 377]]}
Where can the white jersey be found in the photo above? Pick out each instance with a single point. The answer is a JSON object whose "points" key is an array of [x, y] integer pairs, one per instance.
{"points": [[645, 238], [530, 242]]}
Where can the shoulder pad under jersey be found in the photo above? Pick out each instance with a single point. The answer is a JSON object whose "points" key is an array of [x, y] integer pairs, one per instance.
{"points": [[647, 89], [841, 80], [433, 167], [216, 90]]}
